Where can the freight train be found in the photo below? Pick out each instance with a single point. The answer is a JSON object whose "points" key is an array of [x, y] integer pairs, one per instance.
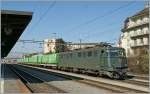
{"points": [[110, 61]]}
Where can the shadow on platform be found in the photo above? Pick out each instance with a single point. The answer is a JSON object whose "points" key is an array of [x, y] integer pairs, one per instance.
{"points": [[8, 74]]}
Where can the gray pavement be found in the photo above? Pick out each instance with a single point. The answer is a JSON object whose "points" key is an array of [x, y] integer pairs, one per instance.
{"points": [[12, 83]]}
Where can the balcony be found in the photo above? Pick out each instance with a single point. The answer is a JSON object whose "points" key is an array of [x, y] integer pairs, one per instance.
{"points": [[134, 45], [130, 26], [140, 23], [140, 34]]}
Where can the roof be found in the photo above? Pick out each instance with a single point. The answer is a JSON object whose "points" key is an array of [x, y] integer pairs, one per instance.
{"points": [[16, 12], [13, 23], [143, 12], [140, 13]]}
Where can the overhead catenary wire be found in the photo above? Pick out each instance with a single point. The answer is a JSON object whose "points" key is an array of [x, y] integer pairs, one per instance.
{"points": [[100, 17], [43, 15], [102, 32], [89, 35], [90, 21]]}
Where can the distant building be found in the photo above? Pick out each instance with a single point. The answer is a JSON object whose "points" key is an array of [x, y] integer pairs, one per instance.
{"points": [[54, 45], [29, 55], [59, 45], [135, 33], [75, 46]]}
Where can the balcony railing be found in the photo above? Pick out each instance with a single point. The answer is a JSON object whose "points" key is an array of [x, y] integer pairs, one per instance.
{"points": [[136, 24], [140, 23], [140, 33], [139, 44]]}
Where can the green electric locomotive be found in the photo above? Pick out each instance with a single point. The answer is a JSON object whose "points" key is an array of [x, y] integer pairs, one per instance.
{"points": [[109, 61]]}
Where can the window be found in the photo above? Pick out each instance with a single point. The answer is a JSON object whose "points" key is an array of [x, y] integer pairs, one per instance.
{"points": [[61, 56], [68, 55], [121, 53], [84, 54], [141, 41], [65, 55], [113, 54], [106, 54], [79, 54], [95, 53], [71, 55], [89, 53], [135, 42], [135, 32]]}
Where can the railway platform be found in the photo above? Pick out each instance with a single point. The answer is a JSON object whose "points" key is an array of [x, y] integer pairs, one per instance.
{"points": [[10, 83]]}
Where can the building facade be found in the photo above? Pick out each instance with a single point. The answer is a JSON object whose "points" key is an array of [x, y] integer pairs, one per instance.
{"points": [[135, 33], [54, 45], [75, 46]]}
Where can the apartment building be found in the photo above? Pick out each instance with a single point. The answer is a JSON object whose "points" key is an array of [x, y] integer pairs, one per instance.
{"points": [[135, 33]]}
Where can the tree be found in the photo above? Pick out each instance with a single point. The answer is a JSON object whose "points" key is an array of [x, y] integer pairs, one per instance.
{"points": [[143, 60]]}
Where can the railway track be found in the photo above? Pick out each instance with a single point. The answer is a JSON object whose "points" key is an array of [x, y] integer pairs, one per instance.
{"points": [[136, 79], [35, 84], [111, 87], [139, 76], [140, 82], [107, 86]]}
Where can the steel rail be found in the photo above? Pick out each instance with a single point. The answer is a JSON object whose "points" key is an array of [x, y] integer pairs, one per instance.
{"points": [[33, 77], [136, 82], [113, 88]]}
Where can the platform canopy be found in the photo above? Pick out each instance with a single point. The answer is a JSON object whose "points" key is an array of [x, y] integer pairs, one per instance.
{"points": [[13, 23]]}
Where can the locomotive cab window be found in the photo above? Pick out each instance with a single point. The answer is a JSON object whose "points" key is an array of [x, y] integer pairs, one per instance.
{"points": [[113, 54], [79, 54], [121, 53]]}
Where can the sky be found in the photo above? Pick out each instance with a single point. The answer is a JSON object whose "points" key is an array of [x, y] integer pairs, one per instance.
{"points": [[90, 21]]}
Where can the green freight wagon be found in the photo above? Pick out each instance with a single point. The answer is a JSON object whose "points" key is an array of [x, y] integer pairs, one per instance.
{"points": [[34, 59], [44, 59], [25, 60], [30, 59], [50, 59], [19, 60], [53, 58], [39, 59]]}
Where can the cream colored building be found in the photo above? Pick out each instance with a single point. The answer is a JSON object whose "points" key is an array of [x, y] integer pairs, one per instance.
{"points": [[135, 33], [53, 45], [75, 46]]}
